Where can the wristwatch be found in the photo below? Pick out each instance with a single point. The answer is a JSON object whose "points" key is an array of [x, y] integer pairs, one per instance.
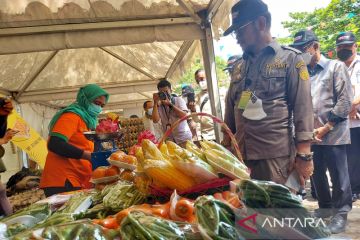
{"points": [[305, 156], [328, 126]]}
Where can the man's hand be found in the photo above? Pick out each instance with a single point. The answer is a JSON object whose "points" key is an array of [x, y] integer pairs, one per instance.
{"points": [[156, 98], [354, 112], [320, 133], [8, 136], [191, 106], [6, 108], [166, 102], [305, 170]]}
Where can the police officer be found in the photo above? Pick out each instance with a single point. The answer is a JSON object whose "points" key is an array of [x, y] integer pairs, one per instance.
{"points": [[268, 104]]}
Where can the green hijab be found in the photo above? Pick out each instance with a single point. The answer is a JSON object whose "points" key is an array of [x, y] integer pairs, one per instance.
{"points": [[85, 97]]}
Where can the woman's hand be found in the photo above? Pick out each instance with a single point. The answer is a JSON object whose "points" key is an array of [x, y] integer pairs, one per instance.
{"points": [[7, 108], [8, 136], [86, 155]]}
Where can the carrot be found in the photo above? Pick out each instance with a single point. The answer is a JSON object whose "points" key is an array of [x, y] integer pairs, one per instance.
{"points": [[143, 208], [218, 196], [184, 208], [110, 223]]}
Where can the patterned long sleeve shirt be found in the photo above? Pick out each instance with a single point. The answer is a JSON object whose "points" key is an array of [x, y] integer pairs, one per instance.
{"points": [[332, 95]]}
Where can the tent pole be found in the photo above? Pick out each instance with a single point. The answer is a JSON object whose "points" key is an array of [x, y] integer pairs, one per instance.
{"points": [[213, 7], [207, 46], [179, 57]]}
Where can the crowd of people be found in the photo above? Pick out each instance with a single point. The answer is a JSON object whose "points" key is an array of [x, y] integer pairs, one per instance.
{"points": [[292, 111]]}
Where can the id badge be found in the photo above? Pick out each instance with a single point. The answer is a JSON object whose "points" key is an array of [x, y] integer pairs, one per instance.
{"points": [[244, 99]]}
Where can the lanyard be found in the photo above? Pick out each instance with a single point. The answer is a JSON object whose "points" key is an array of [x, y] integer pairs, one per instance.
{"points": [[167, 114]]}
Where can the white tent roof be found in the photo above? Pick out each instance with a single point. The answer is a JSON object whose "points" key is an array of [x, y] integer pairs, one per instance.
{"points": [[48, 49]]}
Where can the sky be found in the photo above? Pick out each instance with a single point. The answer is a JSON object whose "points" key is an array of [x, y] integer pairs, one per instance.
{"points": [[279, 10]]}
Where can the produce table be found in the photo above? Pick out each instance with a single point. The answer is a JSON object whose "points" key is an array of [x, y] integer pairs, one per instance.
{"points": [[127, 207]]}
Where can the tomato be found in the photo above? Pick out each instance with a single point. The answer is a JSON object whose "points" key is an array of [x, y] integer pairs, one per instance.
{"points": [[100, 172], [112, 171]]}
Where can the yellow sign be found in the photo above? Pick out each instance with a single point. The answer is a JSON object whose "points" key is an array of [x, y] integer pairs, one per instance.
{"points": [[28, 139]]}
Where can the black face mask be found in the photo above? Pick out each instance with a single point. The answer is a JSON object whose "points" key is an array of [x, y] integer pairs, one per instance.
{"points": [[344, 54]]}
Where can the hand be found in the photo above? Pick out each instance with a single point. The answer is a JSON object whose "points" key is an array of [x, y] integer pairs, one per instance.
{"points": [[191, 106], [320, 133], [156, 98], [166, 102], [7, 108], [305, 170], [8, 136], [86, 155], [354, 112]]}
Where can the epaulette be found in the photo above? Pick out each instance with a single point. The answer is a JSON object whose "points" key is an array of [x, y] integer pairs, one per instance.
{"points": [[291, 49], [237, 69]]}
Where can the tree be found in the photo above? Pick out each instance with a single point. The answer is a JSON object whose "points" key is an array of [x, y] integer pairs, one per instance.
{"points": [[189, 78], [327, 23]]}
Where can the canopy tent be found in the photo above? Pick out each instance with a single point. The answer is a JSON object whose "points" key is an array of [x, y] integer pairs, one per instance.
{"points": [[48, 49]]}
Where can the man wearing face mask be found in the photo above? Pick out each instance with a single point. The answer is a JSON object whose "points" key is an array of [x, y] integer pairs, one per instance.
{"points": [[268, 98], [201, 103], [155, 128], [346, 50], [331, 96], [169, 108]]}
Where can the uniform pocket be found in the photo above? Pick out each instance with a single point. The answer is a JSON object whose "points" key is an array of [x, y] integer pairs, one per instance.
{"points": [[274, 83]]}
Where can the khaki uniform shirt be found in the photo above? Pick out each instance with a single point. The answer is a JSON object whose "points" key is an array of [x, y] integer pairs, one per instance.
{"points": [[279, 77]]}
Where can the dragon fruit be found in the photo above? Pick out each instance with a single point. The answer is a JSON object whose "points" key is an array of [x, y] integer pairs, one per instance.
{"points": [[107, 126]]}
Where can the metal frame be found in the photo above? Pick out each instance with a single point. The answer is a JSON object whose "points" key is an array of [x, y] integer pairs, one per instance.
{"points": [[117, 56], [214, 5], [186, 5], [178, 58], [33, 76], [207, 46], [94, 26], [70, 93]]}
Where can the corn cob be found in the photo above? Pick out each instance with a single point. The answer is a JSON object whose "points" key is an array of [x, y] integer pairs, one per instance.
{"points": [[164, 150], [151, 151], [165, 173], [190, 146], [220, 162], [172, 146]]}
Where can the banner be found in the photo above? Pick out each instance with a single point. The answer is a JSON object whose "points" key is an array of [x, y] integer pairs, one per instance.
{"points": [[28, 139]]}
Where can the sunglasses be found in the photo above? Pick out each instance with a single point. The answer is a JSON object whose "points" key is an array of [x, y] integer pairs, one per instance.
{"points": [[240, 30]]}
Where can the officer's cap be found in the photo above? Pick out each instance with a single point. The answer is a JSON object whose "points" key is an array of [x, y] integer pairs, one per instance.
{"points": [[303, 37], [345, 38], [245, 11]]}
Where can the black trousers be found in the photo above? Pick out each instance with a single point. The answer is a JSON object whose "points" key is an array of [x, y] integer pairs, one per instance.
{"points": [[332, 158], [353, 159], [68, 187]]}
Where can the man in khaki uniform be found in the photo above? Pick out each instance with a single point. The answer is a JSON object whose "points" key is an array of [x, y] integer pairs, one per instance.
{"points": [[268, 105]]}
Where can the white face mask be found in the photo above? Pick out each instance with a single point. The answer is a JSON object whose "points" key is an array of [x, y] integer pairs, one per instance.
{"points": [[150, 111], [203, 85], [254, 110]]}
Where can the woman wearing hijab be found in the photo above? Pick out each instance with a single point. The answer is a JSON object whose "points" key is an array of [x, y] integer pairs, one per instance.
{"points": [[68, 166]]}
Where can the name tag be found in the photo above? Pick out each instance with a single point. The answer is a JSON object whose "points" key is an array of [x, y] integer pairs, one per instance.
{"points": [[244, 99]]}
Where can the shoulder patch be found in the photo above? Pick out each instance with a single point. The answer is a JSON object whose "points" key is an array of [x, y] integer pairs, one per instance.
{"points": [[303, 73], [291, 49], [300, 64]]}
